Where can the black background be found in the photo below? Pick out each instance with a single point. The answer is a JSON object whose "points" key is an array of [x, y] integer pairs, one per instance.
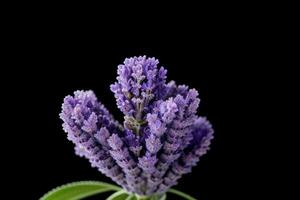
{"points": [[223, 62]]}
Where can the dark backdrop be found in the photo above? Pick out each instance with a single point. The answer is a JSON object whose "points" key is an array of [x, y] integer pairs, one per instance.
{"points": [[222, 67]]}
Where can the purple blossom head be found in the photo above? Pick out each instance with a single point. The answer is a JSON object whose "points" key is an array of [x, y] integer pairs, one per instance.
{"points": [[161, 138], [139, 83]]}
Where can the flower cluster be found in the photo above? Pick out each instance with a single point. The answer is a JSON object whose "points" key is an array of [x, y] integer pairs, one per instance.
{"points": [[161, 138]]}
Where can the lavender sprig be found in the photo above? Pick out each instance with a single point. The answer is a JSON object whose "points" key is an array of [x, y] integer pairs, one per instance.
{"points": [[161, 138]]}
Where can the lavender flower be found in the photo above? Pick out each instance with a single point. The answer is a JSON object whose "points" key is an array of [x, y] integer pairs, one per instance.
{"points": [[161, 139]]}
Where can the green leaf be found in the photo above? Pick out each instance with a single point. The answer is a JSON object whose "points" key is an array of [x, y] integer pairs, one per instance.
{"points": [[120, 195], [181, 194], [79, 190]]}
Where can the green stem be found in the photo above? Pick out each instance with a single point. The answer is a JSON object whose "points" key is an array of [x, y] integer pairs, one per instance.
{"points": [[155, 197], [142, 198], [181, 194], [117, 195]]}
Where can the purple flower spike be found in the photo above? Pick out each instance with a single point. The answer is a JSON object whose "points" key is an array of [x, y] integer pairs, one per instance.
{"points": [[162, 136], [202, 135], [83, 116]]}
